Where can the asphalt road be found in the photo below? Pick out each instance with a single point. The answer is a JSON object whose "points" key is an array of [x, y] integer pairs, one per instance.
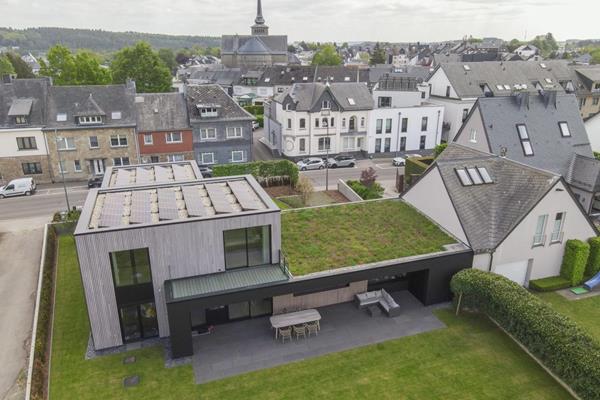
{"points": [[45, 202]]}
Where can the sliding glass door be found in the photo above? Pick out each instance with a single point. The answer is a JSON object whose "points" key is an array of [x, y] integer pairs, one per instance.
{"points": [[247, 247]]}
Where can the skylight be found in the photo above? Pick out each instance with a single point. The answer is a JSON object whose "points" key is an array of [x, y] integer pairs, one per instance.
{"points": [[499, 87], [347, 79], [464, 177], [564, 129], [267, 79], [548, 80], [474, 175], [524, 137], [470, 176], [506, 87], [351, 101], [466, 67], [523, 134], [485, 175], [305, 78], [61, 117], [543, 65], [115, 115]]}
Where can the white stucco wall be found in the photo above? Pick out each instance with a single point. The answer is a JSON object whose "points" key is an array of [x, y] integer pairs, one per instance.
{"points": [[453, 113], [592, 127], [547, 259], [473, 124], [439, 82], [8, 142], [430, 197]]}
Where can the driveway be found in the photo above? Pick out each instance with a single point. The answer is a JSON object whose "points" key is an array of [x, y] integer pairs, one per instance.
{"points": [[20, 247]]}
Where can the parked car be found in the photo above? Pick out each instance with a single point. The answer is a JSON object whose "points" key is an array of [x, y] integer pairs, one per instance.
{"points": [[18, 187], [341, 161], [398, 162], [310, 163], [95, 181], [206, 171], [255, 125]]}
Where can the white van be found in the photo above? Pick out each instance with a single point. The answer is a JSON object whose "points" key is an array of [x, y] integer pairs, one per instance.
{"points": [[18, 187]]}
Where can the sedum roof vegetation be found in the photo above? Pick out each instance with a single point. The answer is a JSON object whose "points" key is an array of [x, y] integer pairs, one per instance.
{"points": [[325, 238]]}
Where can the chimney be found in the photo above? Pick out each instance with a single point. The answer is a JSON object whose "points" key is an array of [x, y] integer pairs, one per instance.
{"points": [[522, 99], [550, 98]]}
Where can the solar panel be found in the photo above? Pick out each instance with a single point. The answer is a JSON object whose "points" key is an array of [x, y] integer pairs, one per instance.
{"points": [[141, 211], [140, 217], [245, 195], [112, 210], [193, 201], [123, 177], [142, 175], [161, 174], [167, 204], [179, 172], [217, 197]]}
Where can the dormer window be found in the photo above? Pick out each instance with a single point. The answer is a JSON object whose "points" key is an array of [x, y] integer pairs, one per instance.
{"points": [[21, 120], [61, 117], [207, 112], [288, 107], [326, 105], [90, 120]]}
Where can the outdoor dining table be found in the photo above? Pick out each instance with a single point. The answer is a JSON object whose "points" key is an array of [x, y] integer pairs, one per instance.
{"points": [[294, 318]]}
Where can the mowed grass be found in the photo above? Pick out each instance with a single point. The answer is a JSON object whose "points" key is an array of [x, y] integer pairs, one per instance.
{"points": [[470, 359], [586, 312], [324, 238]]}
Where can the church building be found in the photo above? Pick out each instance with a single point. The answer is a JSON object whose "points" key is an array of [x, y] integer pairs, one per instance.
{"points": [[255, 50]]}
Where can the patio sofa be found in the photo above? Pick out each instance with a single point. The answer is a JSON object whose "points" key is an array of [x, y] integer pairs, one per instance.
{"points": [[379, 297]]}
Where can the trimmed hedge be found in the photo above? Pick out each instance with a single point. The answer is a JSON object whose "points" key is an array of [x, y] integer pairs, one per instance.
{"points": [[261, 120], [255, 110], [375, 191], [414, 168], [549, 284], [593, 264], [268, 173], [554, 339], [575, 261], [40, 359]]}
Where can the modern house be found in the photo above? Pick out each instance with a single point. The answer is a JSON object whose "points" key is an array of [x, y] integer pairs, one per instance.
{"points": [[163, 253], [544, 131], [163, 130], [222, 130], [256, 50], [402, 119], [515, 217], [23, 150], [316, 118], [89, 128]]}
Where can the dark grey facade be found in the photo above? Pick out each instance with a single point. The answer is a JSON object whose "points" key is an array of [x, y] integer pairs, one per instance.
{"points": [[222, 148]]}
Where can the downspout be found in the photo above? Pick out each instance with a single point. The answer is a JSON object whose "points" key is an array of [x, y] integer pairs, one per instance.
{"points": [[437, 131], [51, 174], [491, 261]]}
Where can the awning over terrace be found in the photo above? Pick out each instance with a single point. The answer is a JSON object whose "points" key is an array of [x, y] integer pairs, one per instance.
{"points": [[223, 282]]}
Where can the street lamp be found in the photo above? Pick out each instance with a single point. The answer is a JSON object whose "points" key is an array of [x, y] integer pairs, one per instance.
{"points": [[62, 170], [325, 113]]}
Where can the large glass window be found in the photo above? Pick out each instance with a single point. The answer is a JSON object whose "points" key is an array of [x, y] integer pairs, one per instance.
{"points": [[131, 267], [247, 247]]}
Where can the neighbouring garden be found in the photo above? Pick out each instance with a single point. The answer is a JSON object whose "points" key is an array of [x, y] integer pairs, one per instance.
{"points": [[470, 359]]}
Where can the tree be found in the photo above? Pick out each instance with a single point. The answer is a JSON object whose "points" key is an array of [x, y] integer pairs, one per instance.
{"points": [[291, 49], [327, 55], [67, 69], [21, 68], [143, 65], [183, 56], [439, 149], [168, 57], [6, 67], [513, 45], [368, 177], [378, 56], [305, 187]]}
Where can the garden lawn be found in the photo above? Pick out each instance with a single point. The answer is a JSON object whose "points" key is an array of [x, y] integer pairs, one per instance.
{"points": [[314, 199], [586, 312], [471, 359], [321, 239]]}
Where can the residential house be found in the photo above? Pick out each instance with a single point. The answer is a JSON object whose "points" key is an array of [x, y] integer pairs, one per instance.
{"points": [[588, 89], [23, 150], [515, 217], [163, 129], [544, 131], [222, 129], [526, 51], [256, 50], [402, 119], [89, 128], [316, 119], [32, 62]]}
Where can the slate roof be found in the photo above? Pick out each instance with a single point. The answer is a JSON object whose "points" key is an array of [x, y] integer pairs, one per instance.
{"points": [[248, 44], [20, 107], [20, 92], [541, 116], [214, 94], [161, 112], [489, 212], [288, 75], [420, 73], [91, 100], [467, 83], [590, 74], [307, 95], [225, 77], [584, 173]]}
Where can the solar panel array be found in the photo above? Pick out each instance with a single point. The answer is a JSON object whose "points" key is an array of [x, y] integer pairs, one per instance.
{"points": [[245, 195], [179, 172], [141, 208], [193, 201], [143, 176], [218, 199], [167, 204], [112, 210], [161, 174]]}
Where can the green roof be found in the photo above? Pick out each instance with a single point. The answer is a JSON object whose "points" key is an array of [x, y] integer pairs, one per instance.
{"points": [[222, 282], [325, 238]]}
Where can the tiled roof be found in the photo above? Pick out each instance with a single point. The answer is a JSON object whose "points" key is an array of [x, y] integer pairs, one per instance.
{"points": [[307, 95], [24, 91], [288, 75], [213, 94], [161, 112], [273, 44]]}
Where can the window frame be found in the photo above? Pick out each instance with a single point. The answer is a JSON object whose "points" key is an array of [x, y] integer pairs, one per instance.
{"points": [[235, 131], [25, 143], [169, 137], [37, 170], [233, 160], [148, 142], [121, 163], [66, 141], [212, 156], [563, 126], [247, 265], [324, 144], [557, 234], [388, 125], [539, 238], [77, 166], [97, 146], [204, 134], [424, 124], [171, 157], [119, 138], [379, 126], [404, 126]]}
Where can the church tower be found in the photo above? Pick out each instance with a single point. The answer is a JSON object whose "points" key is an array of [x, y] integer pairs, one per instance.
{"points": [[259, 28]]}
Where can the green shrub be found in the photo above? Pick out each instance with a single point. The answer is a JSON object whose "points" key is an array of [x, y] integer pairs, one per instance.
{"points": [[414, 168], [574, 261], [269, 173], [439, 148], [255, 110], [549, 284], [375, 191], [557, 341], [261, 120], [593, 264]]}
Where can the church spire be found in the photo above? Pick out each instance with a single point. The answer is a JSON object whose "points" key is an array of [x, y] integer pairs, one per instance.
{"points": [[259, 17]]}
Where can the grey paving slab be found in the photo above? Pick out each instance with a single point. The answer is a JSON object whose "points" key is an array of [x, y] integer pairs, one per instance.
{"points": [[249, 345]]}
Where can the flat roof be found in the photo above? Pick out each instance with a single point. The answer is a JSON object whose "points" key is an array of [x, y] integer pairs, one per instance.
{"points": [[146, 205], [145, 174]]}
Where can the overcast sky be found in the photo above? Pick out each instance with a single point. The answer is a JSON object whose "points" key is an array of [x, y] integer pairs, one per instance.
{"points": [[318, 20]]}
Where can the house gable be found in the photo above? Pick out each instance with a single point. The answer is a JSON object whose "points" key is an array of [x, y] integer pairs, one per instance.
{"points": [[473, 133]]}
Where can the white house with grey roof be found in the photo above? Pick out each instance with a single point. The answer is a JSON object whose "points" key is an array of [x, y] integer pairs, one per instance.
{"points": [[313, 119], [544, 131], [515, 217]]}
